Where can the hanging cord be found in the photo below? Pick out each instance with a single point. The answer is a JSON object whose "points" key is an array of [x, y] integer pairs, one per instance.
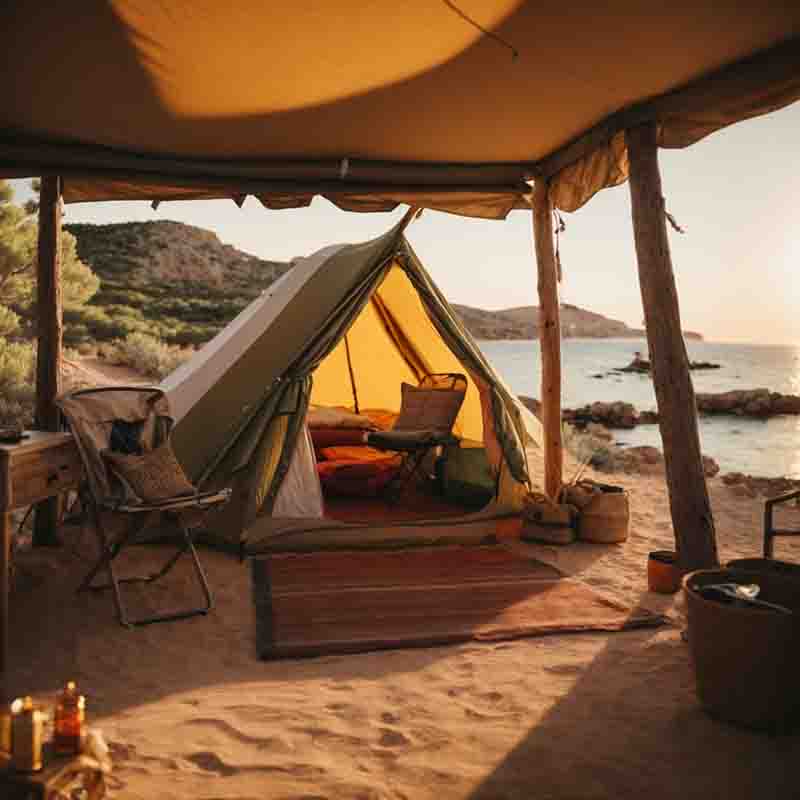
{"points": [[559, 226], [456, 10], [672, 221]]}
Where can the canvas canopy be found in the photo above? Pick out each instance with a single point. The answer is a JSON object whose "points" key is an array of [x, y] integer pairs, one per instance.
{"points": [[447, 105], [241, 401]]}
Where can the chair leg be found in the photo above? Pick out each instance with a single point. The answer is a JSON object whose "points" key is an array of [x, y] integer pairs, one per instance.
{"points": [[769, 538], [114, 583], [408, 470], [198, 567]]}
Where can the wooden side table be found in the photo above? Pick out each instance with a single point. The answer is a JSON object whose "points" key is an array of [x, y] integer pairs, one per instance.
{"points": [[40, 466]]}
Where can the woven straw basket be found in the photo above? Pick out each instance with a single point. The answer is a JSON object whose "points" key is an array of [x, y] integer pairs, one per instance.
{"points": [[604, 511]]}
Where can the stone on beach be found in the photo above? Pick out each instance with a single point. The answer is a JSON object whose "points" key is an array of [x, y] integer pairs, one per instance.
{"points": [[759, 403]]}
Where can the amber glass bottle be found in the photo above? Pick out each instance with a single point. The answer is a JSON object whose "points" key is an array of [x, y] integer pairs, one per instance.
{"points": [[68, 721]]}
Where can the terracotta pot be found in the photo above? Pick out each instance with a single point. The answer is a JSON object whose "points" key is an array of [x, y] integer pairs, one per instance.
{"points": [[662, 572]]}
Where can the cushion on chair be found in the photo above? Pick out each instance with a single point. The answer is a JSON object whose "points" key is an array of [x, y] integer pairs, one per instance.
{"points": [[153, 476], [408, 441], [428, 409]]}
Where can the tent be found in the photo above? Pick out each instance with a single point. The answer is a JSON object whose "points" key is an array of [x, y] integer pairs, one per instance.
{"points": [[240, 402]]}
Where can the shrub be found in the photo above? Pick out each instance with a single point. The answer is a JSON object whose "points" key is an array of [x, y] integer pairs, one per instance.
{"points": [[148, 355], [87, 349], [17, 382], [9, 321]]}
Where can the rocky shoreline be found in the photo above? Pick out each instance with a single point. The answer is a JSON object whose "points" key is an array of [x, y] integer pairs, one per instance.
{"points": [[754, 403], [594, 440]]}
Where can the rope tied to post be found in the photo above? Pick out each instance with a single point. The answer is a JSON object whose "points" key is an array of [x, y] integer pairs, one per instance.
{"points": [[559, 226], [672, 221]]}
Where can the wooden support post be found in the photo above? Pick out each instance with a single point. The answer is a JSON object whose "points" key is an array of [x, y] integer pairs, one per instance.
{"points": [[688, 495], [5, 558], [50, 330], [549, 337]]}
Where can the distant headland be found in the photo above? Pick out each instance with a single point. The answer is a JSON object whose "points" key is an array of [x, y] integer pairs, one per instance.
{"points": [[523, 323]]}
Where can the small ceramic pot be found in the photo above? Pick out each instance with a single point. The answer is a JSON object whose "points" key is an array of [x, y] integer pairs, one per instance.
{"points": [[662, 572]]}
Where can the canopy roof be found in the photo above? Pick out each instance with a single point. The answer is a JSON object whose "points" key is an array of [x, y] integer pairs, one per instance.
{"points": [[373, 104]]}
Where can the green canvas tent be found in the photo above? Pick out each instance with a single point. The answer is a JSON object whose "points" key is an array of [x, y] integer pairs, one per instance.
{"points": [[241, 401]]}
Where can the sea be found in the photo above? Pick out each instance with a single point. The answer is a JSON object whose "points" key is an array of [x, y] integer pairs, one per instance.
{"points": [[769, 448]]}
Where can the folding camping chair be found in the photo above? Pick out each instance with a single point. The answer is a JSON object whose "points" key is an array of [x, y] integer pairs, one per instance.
{"points": [[770, 531], [425, 423], [122, 434]]}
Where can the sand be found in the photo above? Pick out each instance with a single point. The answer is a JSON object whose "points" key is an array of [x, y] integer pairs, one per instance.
{"points": [[190, 713]]}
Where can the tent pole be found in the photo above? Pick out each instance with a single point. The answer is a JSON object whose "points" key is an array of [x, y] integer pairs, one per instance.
{"points": [[50, 329], [352, 376], [408, 218], [692, 520], [549, 337]]}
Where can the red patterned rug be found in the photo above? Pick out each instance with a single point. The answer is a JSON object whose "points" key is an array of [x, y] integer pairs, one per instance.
{"points": [[348, 602]]}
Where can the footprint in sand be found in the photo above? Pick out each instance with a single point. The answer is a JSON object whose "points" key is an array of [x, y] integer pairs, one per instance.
{"points": [[211, 762], [260, 742], [323, 735], [348, 711], [390, 738], [341, 687], [564, 669]]}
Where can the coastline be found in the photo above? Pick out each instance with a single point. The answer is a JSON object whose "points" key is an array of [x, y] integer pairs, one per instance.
{"points": [[750, 445]]}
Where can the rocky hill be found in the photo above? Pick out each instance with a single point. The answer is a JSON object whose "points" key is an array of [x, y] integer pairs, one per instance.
{"points": [[523, 323], [181, 284], [171, 280]]}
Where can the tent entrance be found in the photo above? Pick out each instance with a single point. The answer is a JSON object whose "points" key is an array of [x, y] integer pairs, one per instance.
{"points": [[392, 341]]}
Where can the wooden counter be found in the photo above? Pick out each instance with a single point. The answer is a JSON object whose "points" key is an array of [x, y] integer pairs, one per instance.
{"points": [[40, 466]]}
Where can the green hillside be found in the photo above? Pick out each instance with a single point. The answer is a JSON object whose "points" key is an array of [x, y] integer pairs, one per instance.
{"points": [[173, 281]]}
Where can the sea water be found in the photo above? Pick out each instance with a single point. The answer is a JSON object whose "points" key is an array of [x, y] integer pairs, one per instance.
{"points": [[759, 447]]}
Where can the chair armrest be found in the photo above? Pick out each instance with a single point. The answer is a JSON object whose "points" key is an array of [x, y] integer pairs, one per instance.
{"points": [[201, 500], [770, 532], [781, 498]]}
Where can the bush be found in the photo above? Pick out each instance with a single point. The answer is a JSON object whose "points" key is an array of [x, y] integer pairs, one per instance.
{"points": [[9, 321], [17, 383], [148, 355]]}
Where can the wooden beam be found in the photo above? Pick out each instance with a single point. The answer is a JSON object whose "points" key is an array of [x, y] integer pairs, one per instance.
{"points": [[549, 337], [6, 530], [688, 495], [50, 331]]}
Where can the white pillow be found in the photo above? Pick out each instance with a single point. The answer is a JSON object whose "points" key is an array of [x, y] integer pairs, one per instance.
{"points": [[330, 417]]}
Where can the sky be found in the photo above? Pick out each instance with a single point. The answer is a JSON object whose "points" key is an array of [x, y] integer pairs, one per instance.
{"points": [[736, 194]]}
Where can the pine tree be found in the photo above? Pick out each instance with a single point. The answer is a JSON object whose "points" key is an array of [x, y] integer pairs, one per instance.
{"points": [[18, 234], [18, 251]]}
